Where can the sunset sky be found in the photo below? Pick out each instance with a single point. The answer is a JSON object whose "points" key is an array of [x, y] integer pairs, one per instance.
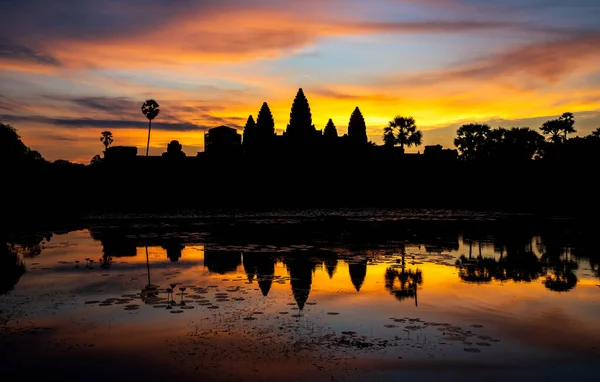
{"points": [[70, 69]]}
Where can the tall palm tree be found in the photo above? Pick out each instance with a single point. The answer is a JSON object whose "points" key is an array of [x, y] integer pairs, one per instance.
{"points": [[406, 130], [106, 138], [470, 140], [150, 109]]}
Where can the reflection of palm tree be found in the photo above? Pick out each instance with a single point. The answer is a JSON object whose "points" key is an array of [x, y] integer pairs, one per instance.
{"points": [[477, 271], [149, 286], [403, 284], [406, 285], [563, 277], [556, 259]]}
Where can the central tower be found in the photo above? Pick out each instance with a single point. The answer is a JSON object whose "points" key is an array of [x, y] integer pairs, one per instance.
{"points": [[300, 129]]}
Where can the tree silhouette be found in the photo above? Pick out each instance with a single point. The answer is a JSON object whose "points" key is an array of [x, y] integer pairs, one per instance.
{"points": [[330, 132], [96, 160], [300, 127], [265, 125], [12, 148], [357, 128], [402, 131], [175, 150], [249, 132], [150, 109], [106, 138], [558, 129], [596, 133], [471, 140], [520, 143]]}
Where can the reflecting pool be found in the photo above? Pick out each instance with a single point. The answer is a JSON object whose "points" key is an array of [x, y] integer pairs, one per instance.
{"points": [[334, 298]]}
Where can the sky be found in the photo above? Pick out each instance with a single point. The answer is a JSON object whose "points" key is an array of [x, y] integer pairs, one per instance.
{"points": [[70, 69]]}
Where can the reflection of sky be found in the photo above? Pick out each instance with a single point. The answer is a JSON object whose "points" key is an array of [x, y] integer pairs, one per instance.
{"points": [[519, 314]]}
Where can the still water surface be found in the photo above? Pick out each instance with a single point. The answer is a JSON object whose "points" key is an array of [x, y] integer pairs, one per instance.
{"points": [[304, 299]]}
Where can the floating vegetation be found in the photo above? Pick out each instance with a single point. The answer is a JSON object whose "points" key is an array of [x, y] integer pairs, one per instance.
{"points": [[176, 311], [472, 350], [92, 302], [332, 313]]}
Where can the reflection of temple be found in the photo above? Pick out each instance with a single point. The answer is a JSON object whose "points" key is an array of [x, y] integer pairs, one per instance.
{"points": [[301, 270], [173, 248], [358, 272], [261, 266], [222, 262], [115, 242], [331, 266]]}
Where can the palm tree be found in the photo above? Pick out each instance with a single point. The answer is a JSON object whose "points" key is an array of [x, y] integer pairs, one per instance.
{"points": [[557, 129], [106, 138], [470, 139], [150, 109], [406, 132]]}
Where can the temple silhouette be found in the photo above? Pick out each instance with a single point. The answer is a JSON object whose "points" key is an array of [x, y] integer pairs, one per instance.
{"points": [[259, 138], [257, 169]]}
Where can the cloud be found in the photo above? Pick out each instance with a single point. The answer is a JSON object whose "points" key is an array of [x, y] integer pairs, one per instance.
{"points": [[46, 136], [546, 61], [85, 34], [16, 52], [106, 104], [104, 123]]}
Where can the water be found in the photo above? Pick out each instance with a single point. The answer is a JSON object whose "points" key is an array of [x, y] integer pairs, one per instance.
{"points": [[342, 298]]}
